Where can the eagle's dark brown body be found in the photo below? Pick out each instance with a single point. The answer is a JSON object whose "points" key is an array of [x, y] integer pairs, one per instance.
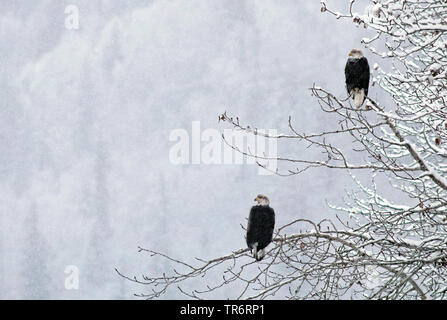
{"points": [[261, 223], [357, 78]]}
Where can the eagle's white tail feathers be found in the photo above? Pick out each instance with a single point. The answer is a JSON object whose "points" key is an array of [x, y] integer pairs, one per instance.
{"points": [[255, 250], [258, 255], [359, 97]]}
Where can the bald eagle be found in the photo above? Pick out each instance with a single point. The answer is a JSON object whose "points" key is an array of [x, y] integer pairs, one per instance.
{"points": [[357, 77], [261, 222]]}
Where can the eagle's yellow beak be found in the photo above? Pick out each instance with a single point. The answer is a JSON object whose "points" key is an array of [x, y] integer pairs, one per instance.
{"points": [[256, 199]]}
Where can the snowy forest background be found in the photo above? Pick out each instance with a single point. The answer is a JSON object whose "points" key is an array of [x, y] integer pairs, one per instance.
{"points": [[86, 114]]}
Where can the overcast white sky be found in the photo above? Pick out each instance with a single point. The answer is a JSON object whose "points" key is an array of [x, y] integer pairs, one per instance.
{"points": [[85, 119]]}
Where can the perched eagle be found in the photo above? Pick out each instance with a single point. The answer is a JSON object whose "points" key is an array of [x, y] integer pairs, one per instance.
{"points": [[357, 77], [261, 222]]}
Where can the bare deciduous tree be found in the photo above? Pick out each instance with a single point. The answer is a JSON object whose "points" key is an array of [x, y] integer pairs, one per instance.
{"points": [[389, 250]]}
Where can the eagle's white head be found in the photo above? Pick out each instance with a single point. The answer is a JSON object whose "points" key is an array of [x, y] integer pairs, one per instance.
{"points": [[356, 54], [262, 200]]}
